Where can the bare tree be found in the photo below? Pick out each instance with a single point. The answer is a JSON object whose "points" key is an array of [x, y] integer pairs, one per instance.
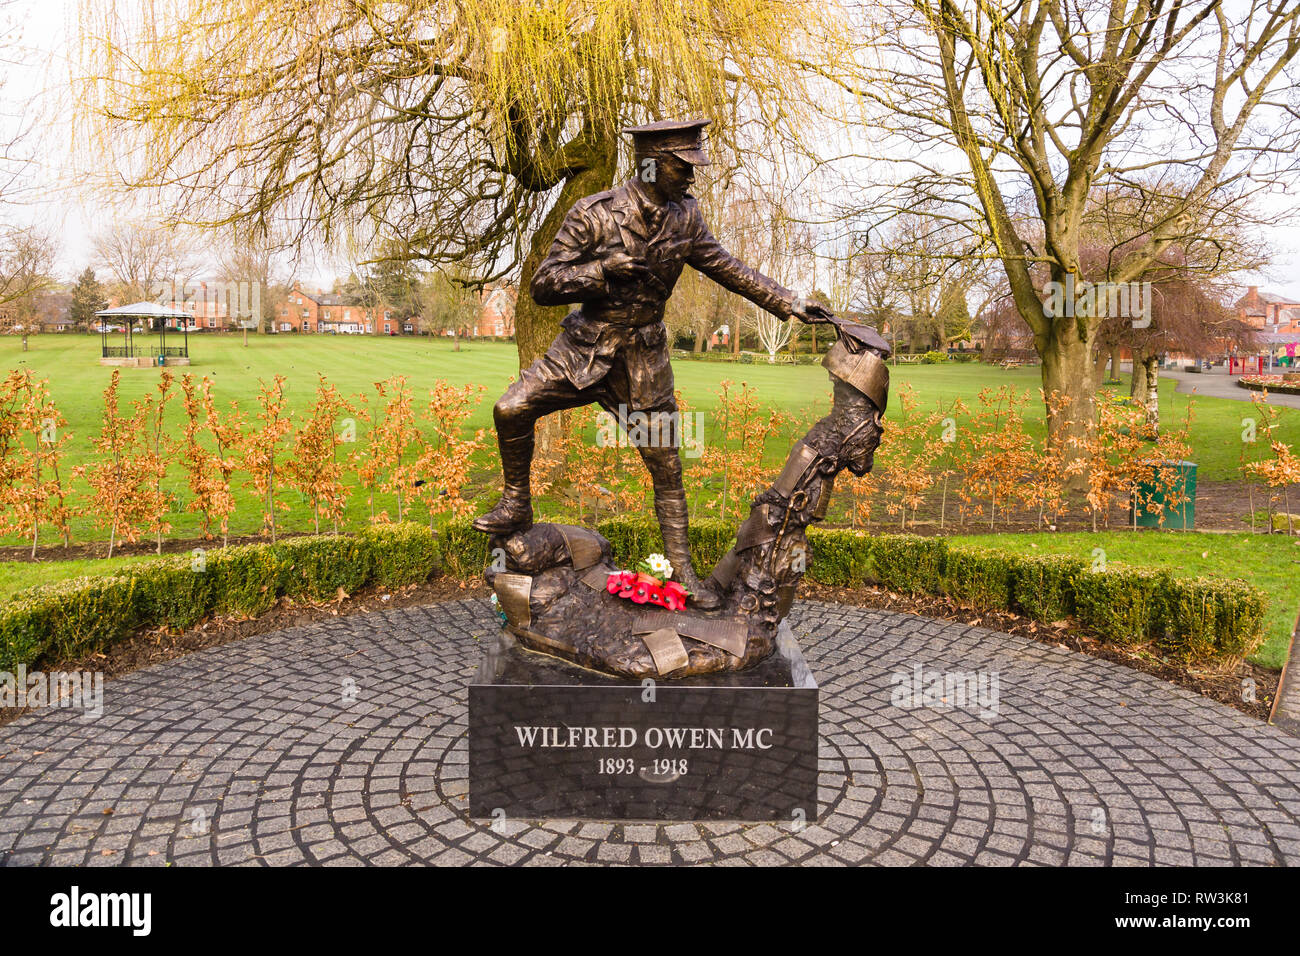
{"points": [[253, 257], [1045, 103], [447, 301], [27, 261], [143, 259]]}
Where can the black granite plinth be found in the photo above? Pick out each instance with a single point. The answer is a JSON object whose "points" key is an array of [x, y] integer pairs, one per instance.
{"points": [[548, 739]]}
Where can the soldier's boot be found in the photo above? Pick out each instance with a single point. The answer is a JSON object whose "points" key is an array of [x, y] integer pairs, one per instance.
{"points": [[514, 512], [670, 508]]}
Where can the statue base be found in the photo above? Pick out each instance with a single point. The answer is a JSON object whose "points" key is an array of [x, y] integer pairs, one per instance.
{"points": [[550, 739]]}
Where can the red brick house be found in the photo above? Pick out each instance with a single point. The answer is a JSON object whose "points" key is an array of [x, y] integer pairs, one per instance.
{"points": [[328, 312], [317, 312], [496, 316], [1268, 311], [207, 303]]}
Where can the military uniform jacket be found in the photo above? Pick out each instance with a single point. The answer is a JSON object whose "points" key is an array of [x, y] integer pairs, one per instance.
{"points": [[619, 319]]}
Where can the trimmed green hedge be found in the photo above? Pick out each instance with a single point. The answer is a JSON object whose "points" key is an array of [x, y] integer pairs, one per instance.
{"points": [[1197, 621], [79, 616], [1043, 587], [635, 539]]}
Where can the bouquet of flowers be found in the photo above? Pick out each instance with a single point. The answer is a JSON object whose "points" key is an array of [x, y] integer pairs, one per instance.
{"points": [[648, 584]]}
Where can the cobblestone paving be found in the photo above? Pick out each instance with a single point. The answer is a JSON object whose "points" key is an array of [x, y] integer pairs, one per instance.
{"points": [[344, 743]]}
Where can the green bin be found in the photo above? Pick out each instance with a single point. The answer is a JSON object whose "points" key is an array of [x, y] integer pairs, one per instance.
{"points": [[1151, 500]]}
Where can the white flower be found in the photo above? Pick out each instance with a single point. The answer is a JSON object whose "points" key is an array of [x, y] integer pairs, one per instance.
{"points": [[660, 566]]}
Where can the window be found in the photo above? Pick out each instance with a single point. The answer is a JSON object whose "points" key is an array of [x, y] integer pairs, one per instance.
{"points": [[387, 328]]}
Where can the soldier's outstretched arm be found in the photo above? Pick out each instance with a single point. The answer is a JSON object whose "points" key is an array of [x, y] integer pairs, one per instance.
{"points": [[571, 271], [709, 257]]}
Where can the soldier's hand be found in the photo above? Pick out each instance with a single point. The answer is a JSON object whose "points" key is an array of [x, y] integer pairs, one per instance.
{"points": [[625, 268], [810, 311]]}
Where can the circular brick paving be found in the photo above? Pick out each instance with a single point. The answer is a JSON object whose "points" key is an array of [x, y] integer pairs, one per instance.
{"points": [[344, 743]]}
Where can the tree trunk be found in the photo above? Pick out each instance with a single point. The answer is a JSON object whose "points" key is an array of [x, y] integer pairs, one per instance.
{"points": [[1114, 363], [1099, 366], [1066, 353], [700, 334], [1150, 398], [1137, 386], [537, 326]]}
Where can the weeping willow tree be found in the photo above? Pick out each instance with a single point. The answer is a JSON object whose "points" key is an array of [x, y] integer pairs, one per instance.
{"points": [[461, 130]]}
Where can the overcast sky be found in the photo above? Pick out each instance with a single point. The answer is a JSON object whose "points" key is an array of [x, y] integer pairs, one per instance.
{"points": [[33, 97]]}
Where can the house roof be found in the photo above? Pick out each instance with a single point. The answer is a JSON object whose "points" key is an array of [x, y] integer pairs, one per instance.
{"points": [[144, 310], [1264, 298]]}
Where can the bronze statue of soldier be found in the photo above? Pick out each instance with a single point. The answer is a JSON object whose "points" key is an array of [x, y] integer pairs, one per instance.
{"points": [[618, 255]]}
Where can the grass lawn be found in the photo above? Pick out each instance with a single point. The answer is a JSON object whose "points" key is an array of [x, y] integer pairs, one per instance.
{"points": [[354, 363], [1270, 562], [16, 575]]}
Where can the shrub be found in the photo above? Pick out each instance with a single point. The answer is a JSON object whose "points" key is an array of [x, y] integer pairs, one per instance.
{"points": [[1122, 604], [1211, 620], [79, 616], [177, 591], [711, 538], [934, 358], [324, 563], [1196, 621], [908, 564], [402, 554], [26, 627], [247, 579], [980, 578], [634, 537], [839, 557], [1043, 586], [462, 550]]}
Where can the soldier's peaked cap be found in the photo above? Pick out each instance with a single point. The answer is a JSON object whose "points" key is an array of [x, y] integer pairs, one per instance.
{"points": [[682, 138]]}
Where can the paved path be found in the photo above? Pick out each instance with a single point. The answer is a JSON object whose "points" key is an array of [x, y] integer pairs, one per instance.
{"points": [[1219, 384], [343, 742]]}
